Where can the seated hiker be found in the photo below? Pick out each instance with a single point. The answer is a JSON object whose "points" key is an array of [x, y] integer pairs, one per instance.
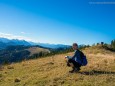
{"points": [[77, 60]]}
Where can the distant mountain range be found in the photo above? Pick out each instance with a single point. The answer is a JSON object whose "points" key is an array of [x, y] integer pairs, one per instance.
{"points": [[14, 50], [53, 46], [4, 42]]}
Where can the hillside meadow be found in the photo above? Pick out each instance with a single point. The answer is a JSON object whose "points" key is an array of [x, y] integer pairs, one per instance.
{"points": [[52, 71]]}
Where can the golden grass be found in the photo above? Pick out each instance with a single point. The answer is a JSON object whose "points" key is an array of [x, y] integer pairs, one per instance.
{"points": [[52, 71], [35, 50]]}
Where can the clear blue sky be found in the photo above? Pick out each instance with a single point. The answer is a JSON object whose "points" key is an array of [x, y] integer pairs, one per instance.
{"points": [[57, 21]]}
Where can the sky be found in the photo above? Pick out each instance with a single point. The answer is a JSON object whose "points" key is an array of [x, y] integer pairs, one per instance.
{"points": [[58, 21]]}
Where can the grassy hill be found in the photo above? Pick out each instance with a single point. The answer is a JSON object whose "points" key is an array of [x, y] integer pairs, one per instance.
{"points": [[52, 71], [35, 50], [20, 53]]}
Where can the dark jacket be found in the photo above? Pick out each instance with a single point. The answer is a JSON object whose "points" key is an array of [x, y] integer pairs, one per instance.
{"points": [[77, 56]]}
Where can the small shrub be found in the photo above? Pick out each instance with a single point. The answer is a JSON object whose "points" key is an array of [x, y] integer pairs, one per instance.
{"points": [[10, 67], [0, 75], [105, 61], [17, 80]]}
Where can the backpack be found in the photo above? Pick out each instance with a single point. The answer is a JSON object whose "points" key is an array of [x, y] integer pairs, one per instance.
{"points": [[83, 58]]}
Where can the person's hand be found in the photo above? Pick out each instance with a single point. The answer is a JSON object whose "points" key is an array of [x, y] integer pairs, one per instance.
{"points": [[66, 56], [66, 59]]}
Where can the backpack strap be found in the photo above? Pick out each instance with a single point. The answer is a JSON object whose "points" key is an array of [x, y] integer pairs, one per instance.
{"points": [[81, 54]]}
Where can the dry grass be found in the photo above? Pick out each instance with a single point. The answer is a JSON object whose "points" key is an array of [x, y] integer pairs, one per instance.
{"points": [[35, 50], [52, 71]]}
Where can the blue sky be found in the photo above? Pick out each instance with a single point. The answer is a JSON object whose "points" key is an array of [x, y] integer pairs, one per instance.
{"points": [[58, 21]]}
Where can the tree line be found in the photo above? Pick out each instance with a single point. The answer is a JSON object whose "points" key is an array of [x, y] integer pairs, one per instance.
{"points": [[113, 44]]}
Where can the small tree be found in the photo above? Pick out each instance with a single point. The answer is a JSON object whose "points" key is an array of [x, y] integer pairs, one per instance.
{"points": [[102, 43], [113, 44], [97, 43]]}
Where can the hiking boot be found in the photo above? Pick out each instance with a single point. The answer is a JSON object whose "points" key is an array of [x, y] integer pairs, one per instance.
{"points": [[74, 70], [77, 69], [68, 64]]}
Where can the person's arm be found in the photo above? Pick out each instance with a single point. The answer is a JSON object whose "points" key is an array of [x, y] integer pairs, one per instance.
{"points": [[68, 57], [75, 55], [72, 57]]}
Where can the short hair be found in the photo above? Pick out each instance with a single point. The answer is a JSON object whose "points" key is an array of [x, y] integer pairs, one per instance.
{"points": [[75, 44]]}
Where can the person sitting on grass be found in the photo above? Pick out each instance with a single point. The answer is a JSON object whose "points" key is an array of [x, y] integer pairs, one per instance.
{"points": [[77, 60]]}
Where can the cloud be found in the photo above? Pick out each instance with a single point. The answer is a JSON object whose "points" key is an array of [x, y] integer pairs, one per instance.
{"points": [[25, 33], [11, 36]]}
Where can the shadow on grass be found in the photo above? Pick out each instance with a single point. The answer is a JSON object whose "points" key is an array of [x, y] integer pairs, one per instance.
{"points": [[94, 72]]}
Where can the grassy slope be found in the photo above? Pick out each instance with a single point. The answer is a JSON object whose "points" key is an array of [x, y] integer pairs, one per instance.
{"points": [[52, 71], [35, 50]]}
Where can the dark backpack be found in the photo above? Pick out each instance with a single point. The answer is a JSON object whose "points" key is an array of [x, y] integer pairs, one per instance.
{"points": [[83, 58]]}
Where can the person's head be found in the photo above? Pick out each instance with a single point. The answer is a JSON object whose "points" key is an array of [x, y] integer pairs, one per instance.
{"points": [[75, 46]]}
